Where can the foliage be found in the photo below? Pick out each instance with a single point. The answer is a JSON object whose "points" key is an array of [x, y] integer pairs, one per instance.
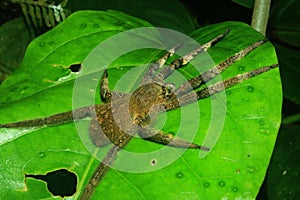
{"points": [[169, 14], [282, 31], [11, 57], [46, 74]]}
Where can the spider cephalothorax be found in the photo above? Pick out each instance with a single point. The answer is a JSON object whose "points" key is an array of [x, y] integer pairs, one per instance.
{"points": [[123, 115], [148, 100]]}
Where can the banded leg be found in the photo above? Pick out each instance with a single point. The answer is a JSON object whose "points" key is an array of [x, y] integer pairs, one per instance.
{"points": [[220, 86], [105, 93], [167, 139], [61, 118], [157, 65], [104, 166], [180, 62], [197, 81], [216, 88], [99, 173]]}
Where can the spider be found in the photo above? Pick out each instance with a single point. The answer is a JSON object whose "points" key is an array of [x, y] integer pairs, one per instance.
{"points": [[110, 122]]}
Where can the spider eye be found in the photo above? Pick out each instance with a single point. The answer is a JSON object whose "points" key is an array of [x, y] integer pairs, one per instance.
{"points": [[170, 88]]}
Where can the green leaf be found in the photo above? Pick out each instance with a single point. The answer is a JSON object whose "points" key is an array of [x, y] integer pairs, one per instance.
{"points": [[12, 45], [236, 165], [69, 44]]}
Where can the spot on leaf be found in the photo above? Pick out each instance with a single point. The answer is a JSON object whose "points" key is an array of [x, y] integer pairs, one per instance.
{"points": [[179, 175], [250, 89], [83, 25], [222, 183], [206, 184], [235, 189]]}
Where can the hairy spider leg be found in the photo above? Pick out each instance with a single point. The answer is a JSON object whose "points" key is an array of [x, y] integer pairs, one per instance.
{"points": [[157, 65], [105, 93], [222, 85], [99, 173], [53, 120], [159, 136], [197, 81], [104, 166], [69, 116], [180, 62], [164, 138], [216, 88], [167, 139], [147, 134], [156, 137]]}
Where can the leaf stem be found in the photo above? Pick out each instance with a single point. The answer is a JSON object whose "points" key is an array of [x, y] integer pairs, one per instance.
{"points": [[260, 15], [291, 119]]}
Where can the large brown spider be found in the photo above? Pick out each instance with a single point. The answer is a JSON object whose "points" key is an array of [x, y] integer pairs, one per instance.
{"points": [[109, 121]]}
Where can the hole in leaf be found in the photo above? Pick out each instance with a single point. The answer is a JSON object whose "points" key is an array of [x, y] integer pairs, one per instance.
{"points": [[59, 182], [153, 162], [75, 67]]}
